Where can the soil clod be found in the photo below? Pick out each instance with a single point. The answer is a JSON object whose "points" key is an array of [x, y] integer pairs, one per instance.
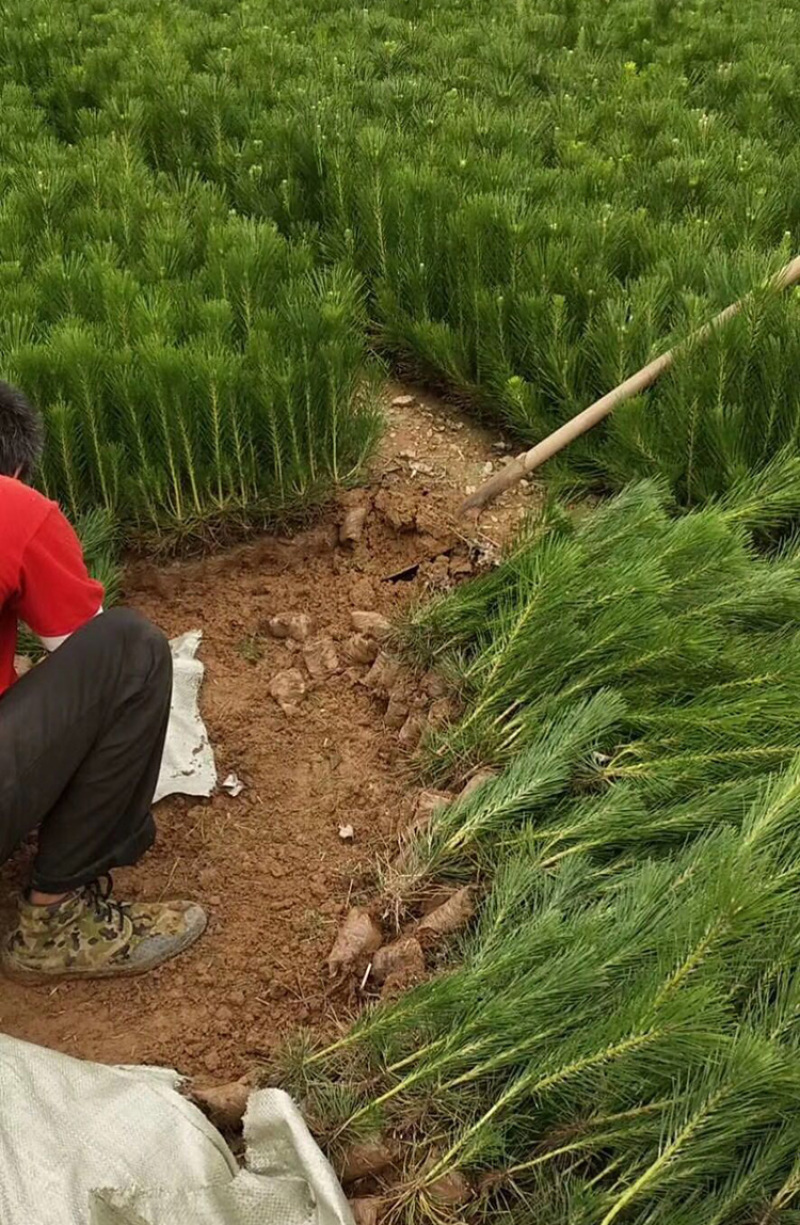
{"points": [[362, 592], [358, 936], [428, 802], [226, 1104], [396, 714], [398, 509], [371, 623], [451, 1188], [411, 732], [477, 781], [288, 689], [320, 658], [366, 1210], [383, 675], [461, 567], [404, 957], [360, 649], [364, 1160], [449, 917], [298, 626], [352, 526], [441, 712]]}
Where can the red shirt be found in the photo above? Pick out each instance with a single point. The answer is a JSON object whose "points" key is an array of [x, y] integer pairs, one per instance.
{"points": [[43, 577]]}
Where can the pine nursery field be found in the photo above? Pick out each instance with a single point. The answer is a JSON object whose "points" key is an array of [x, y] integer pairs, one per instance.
{"points": [[218, 222], [212, 214]]}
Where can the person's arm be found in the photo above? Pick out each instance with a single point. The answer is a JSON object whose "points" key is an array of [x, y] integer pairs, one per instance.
{"points": [[56, 594]]}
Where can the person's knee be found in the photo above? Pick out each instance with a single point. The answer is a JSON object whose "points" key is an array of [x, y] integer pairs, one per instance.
{"points": [[142, 642]]}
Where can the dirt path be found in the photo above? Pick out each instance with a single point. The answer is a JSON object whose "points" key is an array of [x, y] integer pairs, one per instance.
{"points": [[270, 865]]}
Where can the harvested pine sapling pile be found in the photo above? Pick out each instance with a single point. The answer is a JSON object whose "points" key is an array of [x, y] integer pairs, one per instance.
{"points": [[624, 647], [627, 597], [614, 1039], [612, 1046]]}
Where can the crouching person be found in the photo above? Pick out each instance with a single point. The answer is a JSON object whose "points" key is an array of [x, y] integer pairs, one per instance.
{"points": [[81, 739]]}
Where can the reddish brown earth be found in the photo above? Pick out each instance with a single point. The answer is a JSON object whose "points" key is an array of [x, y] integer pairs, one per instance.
{"points": [[270, 866]]}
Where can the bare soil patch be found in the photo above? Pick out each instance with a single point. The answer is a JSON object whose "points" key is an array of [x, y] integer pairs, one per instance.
{"points": [[270, 865]]}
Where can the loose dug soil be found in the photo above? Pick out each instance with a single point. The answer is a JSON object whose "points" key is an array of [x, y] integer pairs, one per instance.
{"points": [[270, 865]]}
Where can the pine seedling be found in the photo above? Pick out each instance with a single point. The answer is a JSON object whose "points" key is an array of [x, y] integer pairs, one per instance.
{"points": [[536, 779]]}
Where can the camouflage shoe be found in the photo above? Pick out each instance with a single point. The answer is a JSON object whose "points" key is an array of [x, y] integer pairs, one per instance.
{"points": [[88, 935]]}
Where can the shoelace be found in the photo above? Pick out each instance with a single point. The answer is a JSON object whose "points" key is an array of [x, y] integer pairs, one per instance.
{"points": [[108, 910]]}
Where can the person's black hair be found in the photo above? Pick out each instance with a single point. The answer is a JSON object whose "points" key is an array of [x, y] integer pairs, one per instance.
{"points": [[21, 434]]}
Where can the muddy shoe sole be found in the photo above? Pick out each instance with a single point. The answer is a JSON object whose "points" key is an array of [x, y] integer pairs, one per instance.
{"points": [[152, 952]]}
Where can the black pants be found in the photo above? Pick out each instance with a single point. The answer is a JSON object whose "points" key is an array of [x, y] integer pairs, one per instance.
{"points": [[81, 739]]}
